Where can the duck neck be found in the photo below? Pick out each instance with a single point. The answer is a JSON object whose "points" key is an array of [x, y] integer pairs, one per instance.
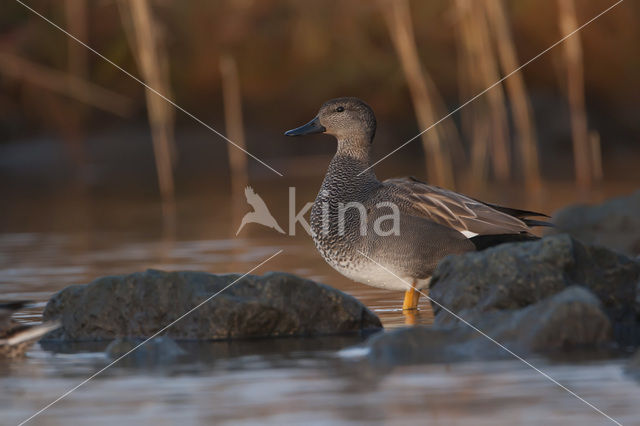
{"points": [[348, 179], [354, 148], [349, 173]]}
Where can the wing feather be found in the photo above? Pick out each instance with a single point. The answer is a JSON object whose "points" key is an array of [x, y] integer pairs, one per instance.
{"points": [[452, 209]]}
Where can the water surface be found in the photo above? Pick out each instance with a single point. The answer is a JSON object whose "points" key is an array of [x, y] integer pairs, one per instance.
{"points": [[48, 244]]}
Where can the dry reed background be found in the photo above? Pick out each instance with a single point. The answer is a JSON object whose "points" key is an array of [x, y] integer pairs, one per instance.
{"points": [[201, 49]]}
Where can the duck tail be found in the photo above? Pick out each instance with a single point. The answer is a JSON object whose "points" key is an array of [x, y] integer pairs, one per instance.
{"points": [[523, 215], [485, 241], [516, 212], [532, 222]]}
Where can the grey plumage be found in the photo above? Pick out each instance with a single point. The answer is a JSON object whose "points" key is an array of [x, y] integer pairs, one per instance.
{"points": [[433, 221]]}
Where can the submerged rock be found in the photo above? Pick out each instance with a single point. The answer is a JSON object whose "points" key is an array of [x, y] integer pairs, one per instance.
{"points": [[633, 366], [614, 224], [159, 350], [512, 277], [570, 319], [139, 304], [543, 296]]}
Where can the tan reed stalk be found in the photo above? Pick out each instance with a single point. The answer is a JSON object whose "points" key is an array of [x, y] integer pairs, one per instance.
{"points": [[65, 84], [594, 139], [151, 59], [488, 69], [397, 15], [77, 19], [475, 124], [526, 140], [232, 100], [572, 48], [449, 134]]}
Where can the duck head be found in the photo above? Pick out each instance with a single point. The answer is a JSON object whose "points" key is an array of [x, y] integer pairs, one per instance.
{"points": [[348, 119]]}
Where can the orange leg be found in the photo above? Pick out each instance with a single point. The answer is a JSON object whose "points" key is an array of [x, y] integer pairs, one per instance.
{"points": [[411, 317], [411, 298]]}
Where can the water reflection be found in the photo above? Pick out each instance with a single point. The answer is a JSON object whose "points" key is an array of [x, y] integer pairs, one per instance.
{"points": [[36, 267], [314, 386], [257, 381]]}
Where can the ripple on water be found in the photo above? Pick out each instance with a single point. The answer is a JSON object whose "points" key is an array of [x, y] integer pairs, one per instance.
{"points": [[257, 382]]}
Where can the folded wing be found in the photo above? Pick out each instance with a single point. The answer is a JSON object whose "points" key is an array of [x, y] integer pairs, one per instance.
{"points": [[464, 214]]}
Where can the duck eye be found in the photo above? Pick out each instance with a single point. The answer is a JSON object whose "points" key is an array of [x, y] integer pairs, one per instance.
{"points": [[339, 109]]}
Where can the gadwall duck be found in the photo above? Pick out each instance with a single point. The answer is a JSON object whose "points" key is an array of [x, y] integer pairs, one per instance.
{"points": [[16, 338], [365, 228]]}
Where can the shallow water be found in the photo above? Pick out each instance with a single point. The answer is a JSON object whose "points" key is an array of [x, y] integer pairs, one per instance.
{"points": [[49, 244]]}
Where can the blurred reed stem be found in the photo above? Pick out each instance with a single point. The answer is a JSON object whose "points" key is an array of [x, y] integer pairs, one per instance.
{"points": [[596, 150], [483, 72], [526, 140], [475, 124], [152, 60], [77, 19], [232, 100], [584, 157], [65, 84], [397, 16]]}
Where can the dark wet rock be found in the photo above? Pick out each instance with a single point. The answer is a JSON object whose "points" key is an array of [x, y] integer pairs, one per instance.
{"points": [[614, 224], [633, 366], [551, 296], [139, 304], [513, 277], [570, 319], [159, 350], [424, 344]]}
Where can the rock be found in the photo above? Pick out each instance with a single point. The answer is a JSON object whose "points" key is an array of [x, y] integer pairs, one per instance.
{"points": [[139, 304], [544, 296], [423, 344], [632, 366], [159, 350], [514, 276], [572, 318], [614, 224]]}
